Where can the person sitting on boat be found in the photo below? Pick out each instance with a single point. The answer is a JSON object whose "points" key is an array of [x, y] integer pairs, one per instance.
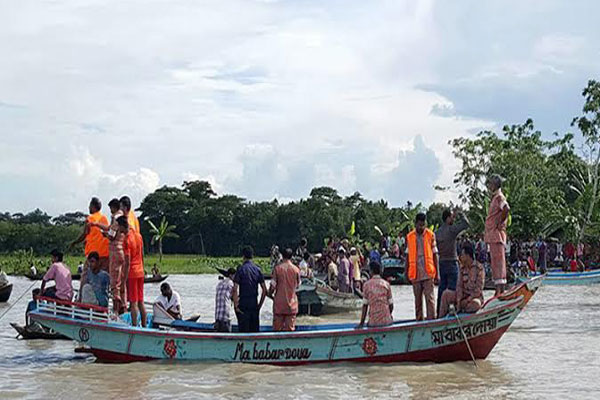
{"points": [[377, 299], [468, 297], [61, 275], [246, 281], [32, 305], [284, 282], [170, 301], [223, 302], [275, 257], [94, 283], [343, 272]]}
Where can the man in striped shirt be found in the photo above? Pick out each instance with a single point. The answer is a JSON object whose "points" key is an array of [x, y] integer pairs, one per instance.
{"points": [[223, 302]]}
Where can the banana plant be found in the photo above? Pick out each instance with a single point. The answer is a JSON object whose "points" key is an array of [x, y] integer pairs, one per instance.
{"points": [[161, 232]]}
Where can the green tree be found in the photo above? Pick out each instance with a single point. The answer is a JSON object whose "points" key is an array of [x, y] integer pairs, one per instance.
{"points": [[161, 232]]}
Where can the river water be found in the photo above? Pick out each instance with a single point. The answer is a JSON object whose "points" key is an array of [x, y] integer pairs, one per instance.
{"points": [[552, 351]]}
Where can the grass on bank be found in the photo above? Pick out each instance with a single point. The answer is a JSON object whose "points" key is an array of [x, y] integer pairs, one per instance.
{"points": [[171, 263]]}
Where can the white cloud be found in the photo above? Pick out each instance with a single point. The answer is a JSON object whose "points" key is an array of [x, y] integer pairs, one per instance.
{"points": [[263, 99]]}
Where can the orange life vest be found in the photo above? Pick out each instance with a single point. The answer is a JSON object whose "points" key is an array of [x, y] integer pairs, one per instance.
{"points": [[95, 240], [411, 240]]}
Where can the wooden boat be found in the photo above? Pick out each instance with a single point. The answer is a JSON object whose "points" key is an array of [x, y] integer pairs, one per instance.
{"points": [[570, 278], [155, 279], [27, 332], [441, 340], [5, 292], [316, 298], [76, 277]]}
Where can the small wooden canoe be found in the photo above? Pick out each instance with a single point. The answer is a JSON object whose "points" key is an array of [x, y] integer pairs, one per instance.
{"points": [[5, 292], [29, 332], [316, 298]]}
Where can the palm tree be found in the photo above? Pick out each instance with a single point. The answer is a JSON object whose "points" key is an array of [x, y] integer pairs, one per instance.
{"points": [[164, 230]]}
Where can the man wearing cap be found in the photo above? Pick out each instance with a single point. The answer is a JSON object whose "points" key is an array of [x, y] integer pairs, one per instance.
{"points": [[495, 231], [223, 302]]}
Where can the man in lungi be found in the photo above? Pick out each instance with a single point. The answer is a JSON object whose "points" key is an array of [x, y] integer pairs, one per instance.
{"points": [[495, 231]]}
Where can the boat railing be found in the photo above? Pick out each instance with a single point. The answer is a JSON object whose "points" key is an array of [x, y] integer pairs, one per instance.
{"points": [[73, 310]]}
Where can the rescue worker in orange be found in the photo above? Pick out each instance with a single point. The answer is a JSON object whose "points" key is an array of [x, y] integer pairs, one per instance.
{"points": [[95, 241], [131, 217], [422, 262]]}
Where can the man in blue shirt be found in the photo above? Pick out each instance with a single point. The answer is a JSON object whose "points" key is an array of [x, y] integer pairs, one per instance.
{"points": [[96, 282], [245, 291]]}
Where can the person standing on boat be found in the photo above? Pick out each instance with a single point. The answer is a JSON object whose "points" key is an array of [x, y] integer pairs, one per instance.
{"points": [[118, 274], [468, 296], [343, 272], [95, 241], [134, 260], [377, 299], [332, 272], [422, 261], [284, 282], [132, 219], [495, 231], [223, 302], [61, 275], [445, 238], [246, 281]]}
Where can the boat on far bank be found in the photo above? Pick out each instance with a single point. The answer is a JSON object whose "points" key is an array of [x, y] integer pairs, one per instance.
{"points": [[569, 278]]}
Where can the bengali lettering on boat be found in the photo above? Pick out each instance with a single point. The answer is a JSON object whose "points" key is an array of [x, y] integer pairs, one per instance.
{"points": [[454, 334], [266, 352]]}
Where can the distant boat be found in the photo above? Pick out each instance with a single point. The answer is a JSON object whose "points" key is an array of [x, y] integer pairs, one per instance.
{"points": [[393, 271], [442, 340], [316, 298], [28, 332], [5, 292], [570, 278]]}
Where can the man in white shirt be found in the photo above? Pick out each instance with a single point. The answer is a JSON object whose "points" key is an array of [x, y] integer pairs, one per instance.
{"points": [[170, 301]]}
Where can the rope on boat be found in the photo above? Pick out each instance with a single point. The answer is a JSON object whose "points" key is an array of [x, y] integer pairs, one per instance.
{"points": [[15, 303], [462, 331]]}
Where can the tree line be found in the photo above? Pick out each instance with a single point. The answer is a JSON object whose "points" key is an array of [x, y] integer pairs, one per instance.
{"points": [[552, 184]]}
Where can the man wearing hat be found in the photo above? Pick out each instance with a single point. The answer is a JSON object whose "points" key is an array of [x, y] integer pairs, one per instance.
{"points": [[223, 301]]}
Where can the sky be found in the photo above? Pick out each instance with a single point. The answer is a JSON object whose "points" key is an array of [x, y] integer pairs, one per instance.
{"points": [[268, 99]]}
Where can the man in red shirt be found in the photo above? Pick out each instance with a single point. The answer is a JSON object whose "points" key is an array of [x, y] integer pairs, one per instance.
{"points": [[134, 258], [284, 282]]}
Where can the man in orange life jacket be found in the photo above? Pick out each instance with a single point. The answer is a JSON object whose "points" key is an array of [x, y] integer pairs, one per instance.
{"points": [[422, 266]]}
